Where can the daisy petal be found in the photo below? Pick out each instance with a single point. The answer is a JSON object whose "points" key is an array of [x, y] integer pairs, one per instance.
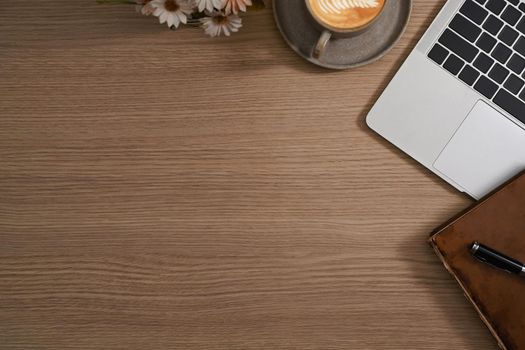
{"points": [[182, 17], [170, 21], [176, 21], [163, 17]]}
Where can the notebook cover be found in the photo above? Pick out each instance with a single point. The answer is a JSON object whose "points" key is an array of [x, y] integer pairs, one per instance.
{"points": [[497, 221]]}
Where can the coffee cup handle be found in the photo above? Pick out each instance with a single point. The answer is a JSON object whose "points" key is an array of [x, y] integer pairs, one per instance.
{"points": [[321, 44]]}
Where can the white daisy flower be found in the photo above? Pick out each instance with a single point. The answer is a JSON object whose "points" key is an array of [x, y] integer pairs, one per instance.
{"points": [[173, 12], [209, 4], [219, 23], [234, 6], [144, 7]]}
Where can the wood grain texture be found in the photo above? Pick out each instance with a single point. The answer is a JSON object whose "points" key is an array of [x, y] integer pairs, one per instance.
{"points": [[164, 190]]}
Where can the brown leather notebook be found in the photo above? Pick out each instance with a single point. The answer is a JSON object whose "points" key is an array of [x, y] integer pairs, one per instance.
{"points": [[497, 221]]}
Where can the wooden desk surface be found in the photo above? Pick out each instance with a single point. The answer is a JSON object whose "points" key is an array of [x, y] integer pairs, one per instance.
{"points": [[164, 190]]}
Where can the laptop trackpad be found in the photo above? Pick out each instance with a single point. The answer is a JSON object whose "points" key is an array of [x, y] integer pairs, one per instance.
{"points": [[487, 150]]}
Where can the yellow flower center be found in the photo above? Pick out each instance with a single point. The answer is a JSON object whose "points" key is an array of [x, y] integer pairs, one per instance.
{"points": [[171, 5]]}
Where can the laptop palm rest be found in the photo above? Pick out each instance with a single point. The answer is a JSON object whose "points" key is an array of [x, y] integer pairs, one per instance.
{"points": [[486, 150]]}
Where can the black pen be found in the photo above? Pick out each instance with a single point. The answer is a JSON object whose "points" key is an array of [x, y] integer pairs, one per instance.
{"points": [[497, 259]]}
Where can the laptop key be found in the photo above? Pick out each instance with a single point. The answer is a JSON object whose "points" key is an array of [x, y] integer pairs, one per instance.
{"points": [[501, 53], [453, 64], [495, 6], [511, 104], [493, 25], [508, 35], [514, 2], [486, 87], [465, 28], [486, 42], [483, 62], [516, 64], [520, 45], [438, 54], [521, 25], [511, 15], [498, 73], [458, 45], [522, 7], [469, 75], [522, 95], [514, 84], [473, 11]]}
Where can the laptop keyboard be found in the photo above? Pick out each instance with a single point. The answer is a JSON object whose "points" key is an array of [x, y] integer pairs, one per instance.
{"points": [[484, 46]]}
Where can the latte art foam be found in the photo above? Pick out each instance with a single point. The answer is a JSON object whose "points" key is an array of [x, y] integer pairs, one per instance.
{"points": [[338, 6], [346, 14]]}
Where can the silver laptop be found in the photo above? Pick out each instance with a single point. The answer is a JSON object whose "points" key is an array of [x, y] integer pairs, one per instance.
{"points": [[457, 105]]}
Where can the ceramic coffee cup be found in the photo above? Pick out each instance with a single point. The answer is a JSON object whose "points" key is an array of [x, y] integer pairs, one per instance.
{"points": [[342, 18]]}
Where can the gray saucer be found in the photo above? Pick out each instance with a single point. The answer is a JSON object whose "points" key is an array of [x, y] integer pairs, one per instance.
{"points": [[299, 31]]}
